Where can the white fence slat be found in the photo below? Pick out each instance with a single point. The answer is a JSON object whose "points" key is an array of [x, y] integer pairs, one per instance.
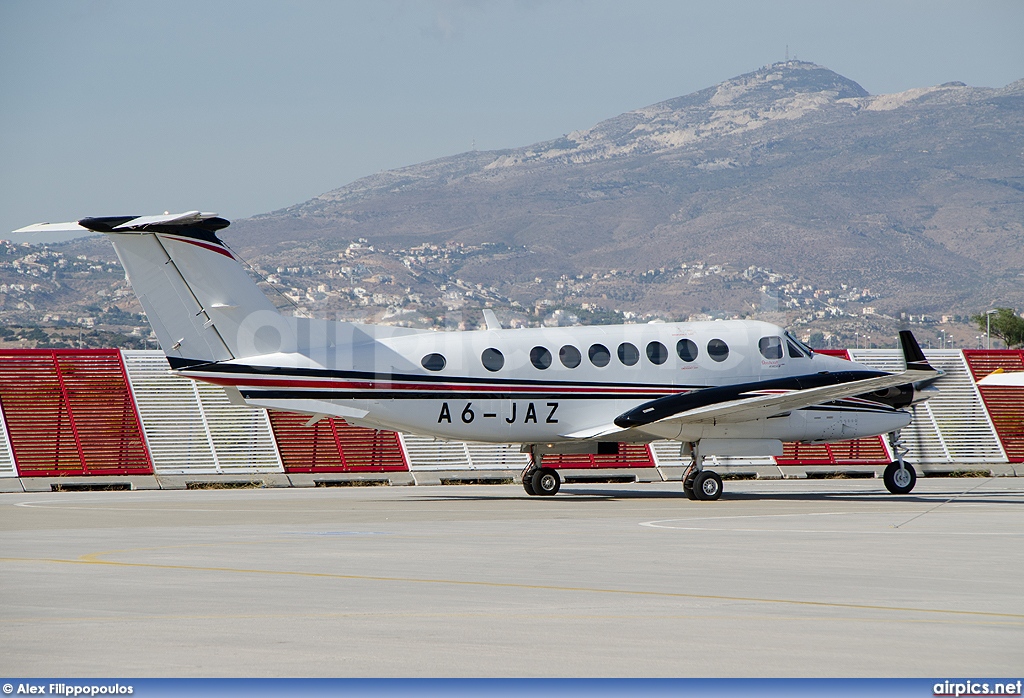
{"points": [[426, 453], [7, 468], [951, 427], [192, 428], [484, 456]]}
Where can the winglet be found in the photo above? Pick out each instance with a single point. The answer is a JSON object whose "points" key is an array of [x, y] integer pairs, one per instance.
{"points": [[912, 353]]}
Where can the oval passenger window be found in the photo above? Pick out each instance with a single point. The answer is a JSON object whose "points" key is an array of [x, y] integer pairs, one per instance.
{"points": [[718, 350], [599, 355], [433, 362], [540, 358], [657, 353], [492, 359], [628, 354], [569, 356], [687, 350]]}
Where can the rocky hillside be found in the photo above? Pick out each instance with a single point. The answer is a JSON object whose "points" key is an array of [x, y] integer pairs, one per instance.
{"points": [[917, 196]]}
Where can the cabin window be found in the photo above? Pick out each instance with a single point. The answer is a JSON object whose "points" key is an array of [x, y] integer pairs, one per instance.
{"points": [[657, 353], [569, 356], [599, 355], [628, 354], [718, 350], [687, 350], [794, 353], [433, 362], [770, 347], [540, 358], [492, 359]]}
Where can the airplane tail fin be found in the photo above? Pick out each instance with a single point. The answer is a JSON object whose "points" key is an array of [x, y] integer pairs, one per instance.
{"points": [[912, 354], [201, 303]]}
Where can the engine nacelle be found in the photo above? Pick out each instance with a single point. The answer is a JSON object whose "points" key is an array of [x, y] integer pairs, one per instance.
{"points": [[901, 395]]}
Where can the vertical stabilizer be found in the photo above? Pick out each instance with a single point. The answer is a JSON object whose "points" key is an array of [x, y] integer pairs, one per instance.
{"points": [[199, 300]]}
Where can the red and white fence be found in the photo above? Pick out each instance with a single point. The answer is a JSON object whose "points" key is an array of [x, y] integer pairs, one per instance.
{"points": [[105, 413]]}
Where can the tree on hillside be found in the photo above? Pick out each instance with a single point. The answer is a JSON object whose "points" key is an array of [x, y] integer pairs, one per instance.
{"points": [[1006, 324]]}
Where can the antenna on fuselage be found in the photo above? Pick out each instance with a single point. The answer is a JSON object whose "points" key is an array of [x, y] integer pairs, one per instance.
{"points": [[491, 319]]}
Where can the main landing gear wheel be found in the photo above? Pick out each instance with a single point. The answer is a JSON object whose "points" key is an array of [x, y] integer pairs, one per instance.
{"points": [[546, 482], [528, 482], [899, 480], [688, 478], [707, 486]]}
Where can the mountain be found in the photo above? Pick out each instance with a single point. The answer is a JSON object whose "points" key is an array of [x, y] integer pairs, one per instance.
{"points": [[918, 196]]}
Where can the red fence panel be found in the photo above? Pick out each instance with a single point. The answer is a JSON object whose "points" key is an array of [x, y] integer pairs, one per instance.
{"points": [[867, 451], [70, 412], [333, 446], [870, 450], [1005, 404], [629, 456]]}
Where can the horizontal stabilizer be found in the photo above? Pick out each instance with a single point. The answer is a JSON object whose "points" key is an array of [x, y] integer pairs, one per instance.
{"points": [[53, 228], [111, 224], [187, 218]]}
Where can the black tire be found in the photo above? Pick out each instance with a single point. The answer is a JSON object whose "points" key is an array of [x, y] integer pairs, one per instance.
{"points": [[528, 483], [899, 482], [707, 486], [688, 489], [546, 482]]}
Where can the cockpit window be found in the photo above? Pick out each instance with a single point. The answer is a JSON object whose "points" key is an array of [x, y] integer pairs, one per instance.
{"points": [[770, 347], [797, 349]]}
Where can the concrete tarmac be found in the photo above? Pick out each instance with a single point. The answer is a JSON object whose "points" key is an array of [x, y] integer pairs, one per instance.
{"points": [[779, 578]]}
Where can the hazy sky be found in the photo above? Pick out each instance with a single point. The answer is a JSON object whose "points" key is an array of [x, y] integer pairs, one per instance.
{"points": [[129, 106]]}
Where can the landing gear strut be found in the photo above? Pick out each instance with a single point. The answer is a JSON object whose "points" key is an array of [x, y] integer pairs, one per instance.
{"points": [[537, 481], [700, 484], [899, 476]]}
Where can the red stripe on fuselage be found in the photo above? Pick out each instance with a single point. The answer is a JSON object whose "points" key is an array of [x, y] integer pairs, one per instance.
{"points": [[419, 387]]}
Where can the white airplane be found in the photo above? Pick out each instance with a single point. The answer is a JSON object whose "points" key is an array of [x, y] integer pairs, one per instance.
{"points": [[720, 388]]}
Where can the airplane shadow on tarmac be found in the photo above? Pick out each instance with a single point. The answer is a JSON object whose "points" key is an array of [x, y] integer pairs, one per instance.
{"points": [[604, 495]]}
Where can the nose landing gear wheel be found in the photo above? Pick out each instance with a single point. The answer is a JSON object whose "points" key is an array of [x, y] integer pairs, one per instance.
{"points": [[546, 482], [899, 480], [707, 486]]}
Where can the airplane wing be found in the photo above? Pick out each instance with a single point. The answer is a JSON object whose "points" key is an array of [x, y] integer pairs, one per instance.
{"points": [[1001, 378], [748, 401], [762, 399]]}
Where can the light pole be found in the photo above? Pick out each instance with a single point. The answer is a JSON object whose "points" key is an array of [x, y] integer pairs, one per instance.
{"points": [[988, 327]]}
